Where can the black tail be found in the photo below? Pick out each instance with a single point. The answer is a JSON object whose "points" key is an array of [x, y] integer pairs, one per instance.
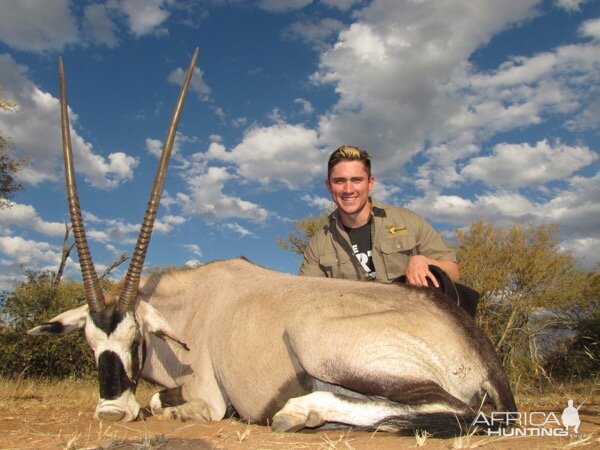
{"points": [[446, 424], [436, 424]]}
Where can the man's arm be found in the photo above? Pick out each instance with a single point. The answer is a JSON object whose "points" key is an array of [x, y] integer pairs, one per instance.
{"points": [[310, 266]]}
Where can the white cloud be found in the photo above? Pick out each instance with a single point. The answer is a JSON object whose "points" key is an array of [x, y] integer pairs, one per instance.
{"points": [[206, 198], [168, 223], [117, 232], [281, 6], [37, 26], [321, 203], [571, 5], [27, 253], [582, 248], [154, 147], [390, 70], [35, 130], [315, 32], [587, 119], [591, 28], [143, 16], [25, 216], [518, 165], [194, 249], [277, 115], [238, 229], [385, 192], [239, 122], [279, 153], [192, 263], [307, 107], [50, 25], [99, 27], [343, 5], [197, 84], [575, 208], [500, 208]]}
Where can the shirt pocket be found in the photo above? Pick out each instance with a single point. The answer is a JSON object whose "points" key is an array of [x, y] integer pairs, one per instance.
{"points": [[395, 251], [337, 266]]}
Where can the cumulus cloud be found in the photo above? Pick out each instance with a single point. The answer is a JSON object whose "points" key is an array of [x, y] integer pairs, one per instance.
{"points": [[518, 165], [343, 5], [143, 16], [35, 131], [206, 197], [51, 25], [238, 229], [307, 107], [197, 84], [25, 216], [315, 32], [389, 69], [282, 6], [581, 248], [25, 252], [99, 26], [280, 153], [571, 5], [321, 203], [575, 208], [37, 26], [194, 249], [591, 28]]}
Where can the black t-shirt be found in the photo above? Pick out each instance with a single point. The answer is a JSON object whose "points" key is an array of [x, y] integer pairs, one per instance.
{"points": [[362, 246]]}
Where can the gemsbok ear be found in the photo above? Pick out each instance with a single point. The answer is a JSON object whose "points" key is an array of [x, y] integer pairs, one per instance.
{"points": [[64, 323], [157, 324]]}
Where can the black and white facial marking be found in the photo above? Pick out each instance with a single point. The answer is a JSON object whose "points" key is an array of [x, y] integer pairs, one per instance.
{"points": [[117, 342]]}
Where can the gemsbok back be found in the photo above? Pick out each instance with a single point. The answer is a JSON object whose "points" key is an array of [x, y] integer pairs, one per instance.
{"points": [[283, 350]]}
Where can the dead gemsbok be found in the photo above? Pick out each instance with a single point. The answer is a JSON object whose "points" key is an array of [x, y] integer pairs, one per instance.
{"points": [[283, 350]]}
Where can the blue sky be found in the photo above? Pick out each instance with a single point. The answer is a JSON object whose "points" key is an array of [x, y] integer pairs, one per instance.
{"points": [[471, 109]]}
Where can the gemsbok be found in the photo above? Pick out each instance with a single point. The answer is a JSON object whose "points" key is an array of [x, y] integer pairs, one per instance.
{"points": [[282, 350]]}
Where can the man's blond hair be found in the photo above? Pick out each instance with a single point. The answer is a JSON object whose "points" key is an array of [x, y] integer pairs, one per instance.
{"points": [[349, 153]]}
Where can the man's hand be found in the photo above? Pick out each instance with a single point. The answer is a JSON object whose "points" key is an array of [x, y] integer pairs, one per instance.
{"points": [[417, 272]]}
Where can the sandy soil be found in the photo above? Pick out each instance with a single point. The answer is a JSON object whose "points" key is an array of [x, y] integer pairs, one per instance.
{"points": [[59, 416]]}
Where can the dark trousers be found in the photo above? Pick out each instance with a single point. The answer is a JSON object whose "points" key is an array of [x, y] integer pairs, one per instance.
{"points": [[464, 296]]}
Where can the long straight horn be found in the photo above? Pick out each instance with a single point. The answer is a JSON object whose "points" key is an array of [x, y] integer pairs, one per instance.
{"points": [[91, 283], [130, 286]]}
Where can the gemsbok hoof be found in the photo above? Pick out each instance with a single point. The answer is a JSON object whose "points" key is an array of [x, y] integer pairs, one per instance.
{"points": [[283, 422], [110, 414]]}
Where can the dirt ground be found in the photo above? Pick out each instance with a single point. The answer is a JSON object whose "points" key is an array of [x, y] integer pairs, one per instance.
{"points": [[35, 415]]}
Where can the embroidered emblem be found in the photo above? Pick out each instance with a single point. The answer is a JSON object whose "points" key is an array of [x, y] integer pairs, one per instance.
{"points": [[392, 229]]}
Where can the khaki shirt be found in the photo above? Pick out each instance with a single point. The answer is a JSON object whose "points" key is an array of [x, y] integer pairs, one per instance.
{"points": [[396, 234]]}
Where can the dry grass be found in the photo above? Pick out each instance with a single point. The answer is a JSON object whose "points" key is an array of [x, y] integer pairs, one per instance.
{"points": [[58, 414], [549, 394]]}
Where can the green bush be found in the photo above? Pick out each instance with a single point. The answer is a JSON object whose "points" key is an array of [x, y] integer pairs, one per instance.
{"points": [[35, 301]]}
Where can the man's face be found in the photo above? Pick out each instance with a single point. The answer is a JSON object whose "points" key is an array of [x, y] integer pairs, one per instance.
{"points": [[350, 185]]}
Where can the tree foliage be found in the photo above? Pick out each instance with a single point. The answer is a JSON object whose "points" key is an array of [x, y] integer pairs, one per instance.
{"points": [[8, 165], [528, 286], [579, 356], [304, 229], [34, 301]]}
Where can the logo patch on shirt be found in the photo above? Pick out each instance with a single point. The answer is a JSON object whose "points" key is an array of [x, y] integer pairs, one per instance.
{"points": [[392, 229]]}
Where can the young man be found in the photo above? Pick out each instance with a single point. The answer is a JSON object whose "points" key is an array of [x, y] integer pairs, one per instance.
{"points": [[367, 240]]}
